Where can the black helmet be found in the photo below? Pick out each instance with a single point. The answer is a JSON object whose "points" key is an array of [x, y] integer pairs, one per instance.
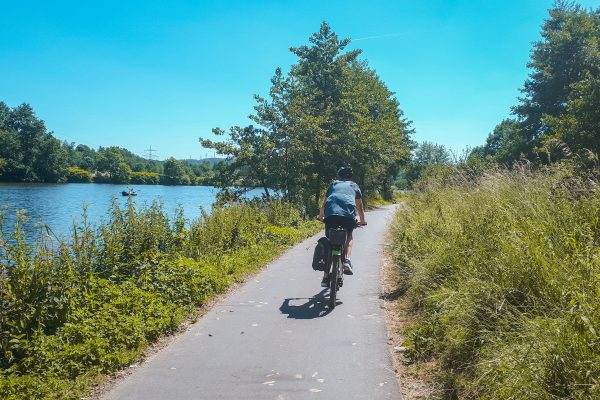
{"points": [[344, 173]]}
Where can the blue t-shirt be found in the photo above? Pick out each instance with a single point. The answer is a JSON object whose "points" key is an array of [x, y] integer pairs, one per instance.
{"points": [[341, 199]]}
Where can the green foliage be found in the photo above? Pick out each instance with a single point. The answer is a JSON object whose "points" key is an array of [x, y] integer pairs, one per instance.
{"points": [[111, 161], [81, 156], [330, 110], [568, 50], [579, 126], [28, 152], [76, 174], [504, 274], [426, 155], [506, 143], [145, 178], [177, 173], [11, 166], [558, 114], [72, 310]]}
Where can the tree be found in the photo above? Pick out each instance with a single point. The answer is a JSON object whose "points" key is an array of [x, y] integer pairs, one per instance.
{"points": [[425, 155], [110, 160], [11, 167], [29, 152], [51, 162], [176, 172], [250, 160], [78, 175], [379, 134], [82, 156], [329, 110], [579, 126], [31, 132], [506, 143], [566, 55]]}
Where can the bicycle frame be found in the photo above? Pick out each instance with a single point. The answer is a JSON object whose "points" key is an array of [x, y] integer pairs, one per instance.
{"points": [[337, 238]]}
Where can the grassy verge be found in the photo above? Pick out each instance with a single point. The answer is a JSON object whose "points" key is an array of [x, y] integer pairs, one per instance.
{"points": [[73, 311], [503, 275], [374, 201]]}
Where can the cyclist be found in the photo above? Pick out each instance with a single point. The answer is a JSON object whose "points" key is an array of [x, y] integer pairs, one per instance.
{"points": [[342, 202]]}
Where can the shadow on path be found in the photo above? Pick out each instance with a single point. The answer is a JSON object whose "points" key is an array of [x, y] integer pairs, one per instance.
{"points": [[314, 307]]}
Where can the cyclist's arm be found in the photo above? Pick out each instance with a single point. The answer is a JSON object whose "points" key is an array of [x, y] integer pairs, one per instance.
{"points": [[322, 210], [361, 211]]}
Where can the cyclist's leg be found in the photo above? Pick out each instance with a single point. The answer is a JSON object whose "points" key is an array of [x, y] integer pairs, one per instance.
{"points": [[349, 224], [348, 250]]}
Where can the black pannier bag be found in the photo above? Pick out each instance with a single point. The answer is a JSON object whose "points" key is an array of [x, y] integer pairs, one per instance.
{"points": [[322, 255]]}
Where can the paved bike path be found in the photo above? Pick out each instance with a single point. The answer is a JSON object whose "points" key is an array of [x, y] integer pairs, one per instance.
{"points": [[275, 338]]}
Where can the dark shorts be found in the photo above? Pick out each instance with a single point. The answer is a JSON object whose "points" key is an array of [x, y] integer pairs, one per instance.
{"points": [[334, 221]]}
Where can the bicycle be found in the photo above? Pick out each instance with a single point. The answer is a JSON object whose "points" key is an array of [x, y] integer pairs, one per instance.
{"points": [[337, 240]]}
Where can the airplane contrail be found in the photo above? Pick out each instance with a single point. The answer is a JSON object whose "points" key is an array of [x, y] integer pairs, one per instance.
{"points": [[379, 36]]}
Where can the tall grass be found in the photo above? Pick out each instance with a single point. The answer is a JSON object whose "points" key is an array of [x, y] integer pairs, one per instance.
{"points": [[503, 273], [73, 310]]}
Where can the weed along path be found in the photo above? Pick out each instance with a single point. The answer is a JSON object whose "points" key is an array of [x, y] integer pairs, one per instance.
{"points": [[274, 338]]}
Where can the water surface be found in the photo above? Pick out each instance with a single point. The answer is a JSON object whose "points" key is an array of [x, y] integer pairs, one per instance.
{"points": [[59, 205]]}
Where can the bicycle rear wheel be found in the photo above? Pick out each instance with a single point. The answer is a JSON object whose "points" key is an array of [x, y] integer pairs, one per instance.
{"points": [[333, 281]]}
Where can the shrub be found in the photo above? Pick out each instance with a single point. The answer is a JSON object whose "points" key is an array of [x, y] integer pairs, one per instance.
{"points": [[78, 175], [72, 310], [145, 178]]}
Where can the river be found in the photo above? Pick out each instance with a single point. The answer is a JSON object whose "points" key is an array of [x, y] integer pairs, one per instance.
{"points": [[59, 205]]}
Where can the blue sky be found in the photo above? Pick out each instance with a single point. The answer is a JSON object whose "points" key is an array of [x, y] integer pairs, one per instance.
{"points": [[164, 73]]}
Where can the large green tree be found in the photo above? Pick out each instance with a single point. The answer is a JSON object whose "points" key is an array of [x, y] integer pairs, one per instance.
{"points": [[330, 110], [505, 144], [52, 161], [27, 150], [111, 161], [561, 62], [176, 172], [579, 126], [11, 167]]}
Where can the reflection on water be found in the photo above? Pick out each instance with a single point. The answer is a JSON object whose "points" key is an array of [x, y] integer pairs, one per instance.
{"points": [[60, 205]]}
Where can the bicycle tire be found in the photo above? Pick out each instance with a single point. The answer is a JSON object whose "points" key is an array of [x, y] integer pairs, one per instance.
{"points": [[333, 281]]}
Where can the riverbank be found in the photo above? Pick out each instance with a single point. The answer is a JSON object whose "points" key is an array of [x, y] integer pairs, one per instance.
{"points": [[92, 308]]}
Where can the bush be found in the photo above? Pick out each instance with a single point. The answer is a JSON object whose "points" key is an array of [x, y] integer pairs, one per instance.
{"points": [[70, 311], [101, 177], [78, 175], [504, 275], [145, 178]]}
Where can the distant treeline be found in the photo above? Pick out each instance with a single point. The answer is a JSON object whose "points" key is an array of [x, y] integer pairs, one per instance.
{"points": [[30, 153]]}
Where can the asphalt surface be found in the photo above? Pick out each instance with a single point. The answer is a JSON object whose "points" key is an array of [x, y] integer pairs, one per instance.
{"points": [[275, 337]]}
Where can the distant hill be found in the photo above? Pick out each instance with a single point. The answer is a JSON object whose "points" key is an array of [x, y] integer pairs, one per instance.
{"points": [[213, 161]]}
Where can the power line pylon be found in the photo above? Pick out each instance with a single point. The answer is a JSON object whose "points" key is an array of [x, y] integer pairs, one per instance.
{"points": [[149, 152]]}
